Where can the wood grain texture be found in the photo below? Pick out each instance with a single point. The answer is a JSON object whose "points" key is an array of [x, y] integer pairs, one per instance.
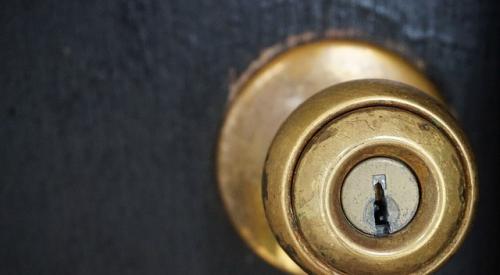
{"points": [[109, 114]]}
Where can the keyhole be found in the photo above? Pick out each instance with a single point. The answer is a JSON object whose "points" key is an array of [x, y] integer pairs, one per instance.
{"points": [[380, 213], [388, 211]]}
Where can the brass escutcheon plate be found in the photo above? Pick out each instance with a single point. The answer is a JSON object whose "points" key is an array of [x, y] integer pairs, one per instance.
{"points": [[262, 102]]}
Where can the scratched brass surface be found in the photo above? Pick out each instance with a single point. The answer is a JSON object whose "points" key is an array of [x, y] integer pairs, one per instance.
{"points": [[338, 128], [264, 98]]}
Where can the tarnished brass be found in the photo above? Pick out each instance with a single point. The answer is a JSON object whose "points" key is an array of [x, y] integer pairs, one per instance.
{"points": [[302, 197], [341, 126]]}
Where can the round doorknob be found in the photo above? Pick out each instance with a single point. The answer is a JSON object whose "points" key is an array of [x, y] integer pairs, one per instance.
{"points": [[369, 176], [328, 163]]}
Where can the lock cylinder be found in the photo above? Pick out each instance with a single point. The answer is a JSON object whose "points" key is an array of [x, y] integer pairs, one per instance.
{"points": [[380, 195], [369, 176]]}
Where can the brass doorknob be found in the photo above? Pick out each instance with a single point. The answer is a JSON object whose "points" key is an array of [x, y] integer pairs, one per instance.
{"points": [[365, 176], [369, 176]]}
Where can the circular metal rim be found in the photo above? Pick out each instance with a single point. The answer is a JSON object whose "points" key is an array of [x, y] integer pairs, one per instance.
{"points": [[385, 150], [398, 161], [394, 253], [306, 121]]}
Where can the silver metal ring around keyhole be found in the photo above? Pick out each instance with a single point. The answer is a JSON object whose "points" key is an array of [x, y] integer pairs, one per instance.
{"points": [[400, 189]]}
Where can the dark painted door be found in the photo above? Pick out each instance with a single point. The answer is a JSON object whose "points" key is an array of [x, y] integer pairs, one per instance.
{"points": [[109, 113]]}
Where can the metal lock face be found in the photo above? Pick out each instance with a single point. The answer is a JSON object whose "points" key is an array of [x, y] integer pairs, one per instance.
{"points": [[380, 196], [366, 176]]}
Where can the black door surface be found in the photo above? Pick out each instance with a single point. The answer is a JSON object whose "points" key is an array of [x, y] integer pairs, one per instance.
{"points": [[110, 110]]}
